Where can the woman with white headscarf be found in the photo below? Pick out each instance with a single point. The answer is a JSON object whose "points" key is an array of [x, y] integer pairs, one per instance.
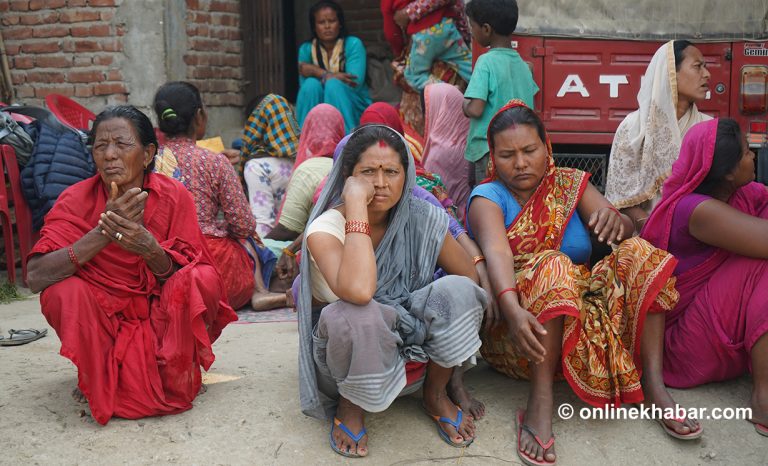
{"points": [[648, 141]]}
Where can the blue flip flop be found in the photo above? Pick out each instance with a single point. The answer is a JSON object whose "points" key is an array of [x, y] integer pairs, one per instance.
{"points": [[336, 422], [455, 423]]}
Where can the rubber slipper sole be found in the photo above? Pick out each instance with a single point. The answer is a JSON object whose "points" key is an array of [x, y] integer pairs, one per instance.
{"points": [[523, 457], [23, 340], [673, 433]]}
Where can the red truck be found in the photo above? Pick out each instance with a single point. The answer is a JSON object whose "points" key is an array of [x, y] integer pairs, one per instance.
{"points": [[588, 86]]}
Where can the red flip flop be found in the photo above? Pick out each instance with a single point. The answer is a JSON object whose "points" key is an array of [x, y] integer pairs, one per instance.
{"points": [[761, 429], [546, 446]]}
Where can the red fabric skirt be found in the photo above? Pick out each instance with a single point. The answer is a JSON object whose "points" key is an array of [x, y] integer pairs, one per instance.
{"points": [[235, 267], [139, 356]]}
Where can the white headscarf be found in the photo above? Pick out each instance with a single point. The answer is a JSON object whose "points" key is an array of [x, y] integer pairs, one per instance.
{"points": [[647, 142]]}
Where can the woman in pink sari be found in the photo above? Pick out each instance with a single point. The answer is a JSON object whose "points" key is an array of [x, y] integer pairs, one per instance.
{"points": [[445, 131], [714, 219]]}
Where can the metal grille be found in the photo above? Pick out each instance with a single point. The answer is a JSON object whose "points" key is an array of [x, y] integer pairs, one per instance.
{"points": [[596, 164]]}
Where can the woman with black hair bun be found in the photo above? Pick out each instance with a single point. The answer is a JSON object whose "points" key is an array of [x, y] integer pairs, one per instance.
{"points": [[241, 258]]}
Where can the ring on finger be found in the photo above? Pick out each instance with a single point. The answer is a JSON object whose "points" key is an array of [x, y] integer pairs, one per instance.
{"points": [[119, 236]]}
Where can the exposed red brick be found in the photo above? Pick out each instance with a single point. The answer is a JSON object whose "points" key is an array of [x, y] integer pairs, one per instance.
{"points": [[12, 49], [204, 18], [109, 88], [87, 46], [83, 60], [107, 15], [101, 2], [114, 75], [23, 63], [49, 4], [20, 5], [112, 45], [120, 30], [84, 91], [99, 30], [18, 78], [68, 91], [40, 47], [79, 31], [15, 33], [77, 3], [50, 31], [53, 61], [193, 4], [103, 60], [85, 76], [230, 7], [9, 20], [24, 91], [4, 6], [78, 16], [40, 18], [45, 77]]}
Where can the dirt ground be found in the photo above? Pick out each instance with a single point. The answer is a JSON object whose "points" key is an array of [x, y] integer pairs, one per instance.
{"points": [[250, 415]]}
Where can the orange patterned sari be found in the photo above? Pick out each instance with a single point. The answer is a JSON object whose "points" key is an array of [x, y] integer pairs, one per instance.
{"points": [[604, 308]]}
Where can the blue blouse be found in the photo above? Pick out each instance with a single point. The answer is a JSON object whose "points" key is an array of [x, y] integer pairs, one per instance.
{"points": [[576, 241]]}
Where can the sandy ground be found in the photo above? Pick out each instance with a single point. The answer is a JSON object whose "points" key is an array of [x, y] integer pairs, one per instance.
{"points": [[250, 415]]}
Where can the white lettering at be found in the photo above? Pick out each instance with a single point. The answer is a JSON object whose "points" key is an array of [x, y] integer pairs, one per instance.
{"points": [[613, 81], [573, 83]]}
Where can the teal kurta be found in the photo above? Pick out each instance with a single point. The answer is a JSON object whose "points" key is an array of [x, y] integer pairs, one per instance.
{"points": [[350, 101]]}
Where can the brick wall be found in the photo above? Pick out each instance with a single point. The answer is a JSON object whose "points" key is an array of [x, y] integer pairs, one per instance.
{"points": [[79, 47], [363, 18], [214, 56], [69, 47]]}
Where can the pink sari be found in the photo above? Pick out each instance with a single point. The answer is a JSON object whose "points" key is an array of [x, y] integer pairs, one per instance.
{"points": [[445, 131], [722, 308]]}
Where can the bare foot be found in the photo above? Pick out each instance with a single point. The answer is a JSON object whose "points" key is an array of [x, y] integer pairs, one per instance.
{"points": [[351, 416], [439, 404], [459, 394], [264, 301], [538, 418], [289, 302], [657, 395], [203, 389], [78, 396], [759, 404]]}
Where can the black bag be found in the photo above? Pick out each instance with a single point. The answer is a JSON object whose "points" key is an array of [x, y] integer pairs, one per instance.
{"points": [[12, 134]]}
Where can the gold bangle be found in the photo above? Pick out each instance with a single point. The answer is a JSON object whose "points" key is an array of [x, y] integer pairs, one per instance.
{"points": [[476, 259], [288, 252]]}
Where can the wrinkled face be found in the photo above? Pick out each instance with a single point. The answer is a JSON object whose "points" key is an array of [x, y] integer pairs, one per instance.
{"points": [[693, 76], [744, 172], [521, 158], [327, 25], [119, 155], [381, 166]]}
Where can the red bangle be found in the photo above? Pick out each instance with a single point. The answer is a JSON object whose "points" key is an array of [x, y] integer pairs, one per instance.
{"points": [[357, 226], [506, 290], [615, 210], [73, 257]]}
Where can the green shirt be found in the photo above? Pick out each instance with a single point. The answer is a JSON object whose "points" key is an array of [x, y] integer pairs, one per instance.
{"points": [[500, 75]]}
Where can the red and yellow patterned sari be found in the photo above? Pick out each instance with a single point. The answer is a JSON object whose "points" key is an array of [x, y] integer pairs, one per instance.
{"points": [[604, 308]]}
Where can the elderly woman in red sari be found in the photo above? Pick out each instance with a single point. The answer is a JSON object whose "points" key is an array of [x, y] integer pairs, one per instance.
{"points": [[127, 281], [599, 326], [714, 219]]}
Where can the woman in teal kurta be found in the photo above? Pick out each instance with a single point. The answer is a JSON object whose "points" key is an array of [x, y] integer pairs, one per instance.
{"points": [[332, 67]]}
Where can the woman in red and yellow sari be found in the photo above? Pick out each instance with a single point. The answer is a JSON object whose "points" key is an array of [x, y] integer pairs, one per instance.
{"points": [[556, 317]]}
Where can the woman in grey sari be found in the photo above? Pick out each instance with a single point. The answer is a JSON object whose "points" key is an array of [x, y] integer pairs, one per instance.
{"points": [[373, 324]]}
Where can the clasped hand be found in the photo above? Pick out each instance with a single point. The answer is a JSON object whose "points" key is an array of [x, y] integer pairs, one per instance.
{"points": [[123, 222], [607, 224]]}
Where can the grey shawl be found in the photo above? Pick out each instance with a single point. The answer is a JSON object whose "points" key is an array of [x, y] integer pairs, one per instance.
{"points": [[405, 262]]}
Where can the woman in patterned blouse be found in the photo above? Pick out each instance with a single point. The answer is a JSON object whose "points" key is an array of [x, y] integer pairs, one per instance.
{"points": [[223, 211]]}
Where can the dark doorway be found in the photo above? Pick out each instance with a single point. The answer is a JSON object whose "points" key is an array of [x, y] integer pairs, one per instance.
{"points": [[269, 48]]}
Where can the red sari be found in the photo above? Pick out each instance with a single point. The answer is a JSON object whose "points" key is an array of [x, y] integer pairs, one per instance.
{"points": [[138, 344], [604, 308]]}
